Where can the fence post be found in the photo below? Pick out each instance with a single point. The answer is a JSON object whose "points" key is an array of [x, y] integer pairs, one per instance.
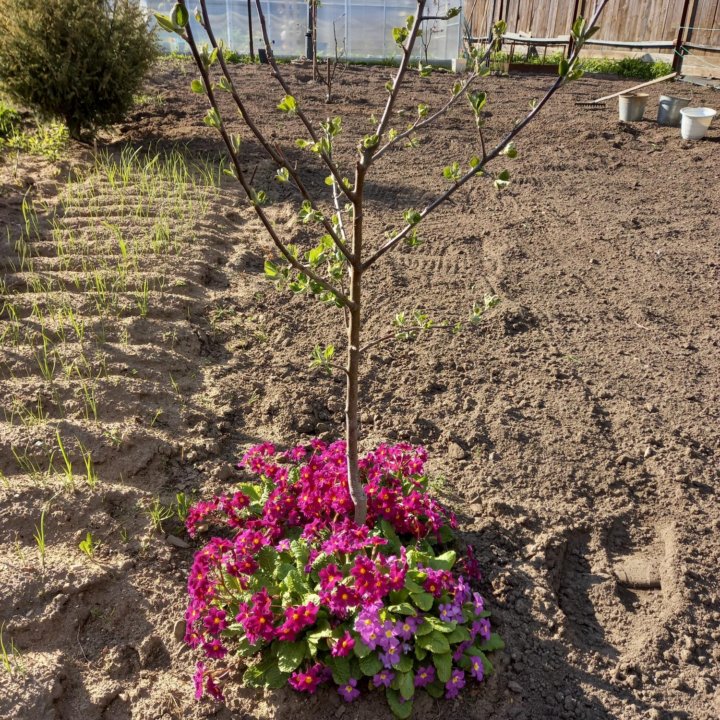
{"points": [[677, 55]]}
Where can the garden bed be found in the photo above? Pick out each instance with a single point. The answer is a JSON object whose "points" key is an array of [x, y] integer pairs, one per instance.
{"points": [[572, 429]]}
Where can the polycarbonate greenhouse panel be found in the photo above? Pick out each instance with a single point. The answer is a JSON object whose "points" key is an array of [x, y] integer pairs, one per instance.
{"points": [[363, 30]]}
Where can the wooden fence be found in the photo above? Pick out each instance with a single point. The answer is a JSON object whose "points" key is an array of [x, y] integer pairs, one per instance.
{"points": [[640, 22]]}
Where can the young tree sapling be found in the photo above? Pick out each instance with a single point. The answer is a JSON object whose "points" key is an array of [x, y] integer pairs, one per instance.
{"points": [[333, 271]]}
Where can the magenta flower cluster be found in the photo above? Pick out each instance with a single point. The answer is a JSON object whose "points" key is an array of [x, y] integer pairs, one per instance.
{"points": [[308, 597]]}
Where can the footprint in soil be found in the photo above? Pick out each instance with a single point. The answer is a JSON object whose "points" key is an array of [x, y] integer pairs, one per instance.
{"points": [[618, 611]]}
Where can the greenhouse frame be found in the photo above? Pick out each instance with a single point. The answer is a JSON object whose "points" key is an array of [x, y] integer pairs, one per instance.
{"points": [[363, 28]]}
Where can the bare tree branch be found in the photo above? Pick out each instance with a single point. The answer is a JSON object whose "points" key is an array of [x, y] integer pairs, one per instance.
{"points": [[301, 115], [277, 157], [478, 169], [282, 248], [395, 91]]}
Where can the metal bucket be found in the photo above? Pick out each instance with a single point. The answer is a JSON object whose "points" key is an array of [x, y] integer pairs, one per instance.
{"points": [[669, 110], [631, 106]]}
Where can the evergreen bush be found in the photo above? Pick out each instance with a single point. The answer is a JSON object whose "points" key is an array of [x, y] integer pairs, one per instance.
{"points": [[78, 60]]}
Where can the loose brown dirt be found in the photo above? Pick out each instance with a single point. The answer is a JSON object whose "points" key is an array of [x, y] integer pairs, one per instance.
{"points": [[575, 426]]}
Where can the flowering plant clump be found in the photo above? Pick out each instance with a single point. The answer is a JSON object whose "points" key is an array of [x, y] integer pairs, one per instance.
{"points": [[308, 598]]}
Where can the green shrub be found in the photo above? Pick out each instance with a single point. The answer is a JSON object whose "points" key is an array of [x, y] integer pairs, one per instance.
{"points": [[9, 121], [627, 67], [78, 60]]}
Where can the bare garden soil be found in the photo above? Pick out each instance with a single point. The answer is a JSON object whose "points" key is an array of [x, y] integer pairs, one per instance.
{"points": [[574, 428]]}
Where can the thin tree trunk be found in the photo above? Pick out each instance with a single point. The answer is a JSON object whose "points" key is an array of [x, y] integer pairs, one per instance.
{"points": [[250, 30], [352, 420]]}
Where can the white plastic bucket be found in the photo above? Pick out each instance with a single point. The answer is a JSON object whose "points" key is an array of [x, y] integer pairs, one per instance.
{"points": [[631, 106], [695, 122]]}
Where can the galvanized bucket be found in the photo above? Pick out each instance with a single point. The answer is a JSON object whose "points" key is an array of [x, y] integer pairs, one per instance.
{"points": [[669, 110]]}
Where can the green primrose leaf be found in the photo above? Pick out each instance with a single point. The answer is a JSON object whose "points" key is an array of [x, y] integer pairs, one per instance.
{"points": [[403, 609], [401, 710], [370, 665], [361, 650], [435, 689], [494, 643], [290, 655], [406, 685], [435, 642], [276, 678], [444, 561], [443, 665], [340, 667], [405, 663], [458, 635], [423, 600]]}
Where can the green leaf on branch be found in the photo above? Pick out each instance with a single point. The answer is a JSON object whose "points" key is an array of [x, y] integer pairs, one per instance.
{"points": [[224, 85], [563, 67], [322, 358], [400, 35], [197, 86], [423, 110], [282, 175], [370, 141], [502, 180], [271, 270], [179, 16], [578, 29], [288, 104], [212, 119], [510, 150], [166, 23], [452, 172], [477, 100], [452, 12]]}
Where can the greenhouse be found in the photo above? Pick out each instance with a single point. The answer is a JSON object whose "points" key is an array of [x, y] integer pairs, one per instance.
{"points": [[363, 28]]}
